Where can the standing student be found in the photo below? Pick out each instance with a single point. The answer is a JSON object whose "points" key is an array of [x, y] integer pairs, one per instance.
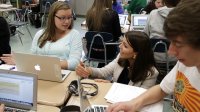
{"points": [[4, 38], [59, 38], [182, 28], [134, 65]]}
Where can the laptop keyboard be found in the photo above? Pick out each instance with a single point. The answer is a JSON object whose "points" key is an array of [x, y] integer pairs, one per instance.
{"points": [[10, 109], [96, 109]]}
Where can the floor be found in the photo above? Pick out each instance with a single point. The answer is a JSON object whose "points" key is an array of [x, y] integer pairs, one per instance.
{"points": [[16, 45]]}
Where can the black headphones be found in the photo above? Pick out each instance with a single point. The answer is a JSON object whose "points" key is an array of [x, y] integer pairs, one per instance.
{"points": [[73, 88]]}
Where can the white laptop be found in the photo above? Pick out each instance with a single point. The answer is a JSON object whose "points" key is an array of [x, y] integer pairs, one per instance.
{"points": [[46, 67], [85, 105], [138, 21], [18, 91], [123, 20]]}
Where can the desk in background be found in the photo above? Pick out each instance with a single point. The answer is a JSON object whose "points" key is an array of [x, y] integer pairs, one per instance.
{"points": [[54, 93]]}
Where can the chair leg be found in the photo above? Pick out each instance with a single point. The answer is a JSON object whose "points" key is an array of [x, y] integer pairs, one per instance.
{"points": [[42, 23], [29, 32], [18, 33]]}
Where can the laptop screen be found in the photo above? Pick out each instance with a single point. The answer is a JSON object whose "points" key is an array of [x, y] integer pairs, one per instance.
{"points": [[17, 90], [122, 19], [140, 20]]}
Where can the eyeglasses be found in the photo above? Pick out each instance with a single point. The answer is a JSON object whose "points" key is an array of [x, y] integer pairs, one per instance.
{"points": [[63, 19]]}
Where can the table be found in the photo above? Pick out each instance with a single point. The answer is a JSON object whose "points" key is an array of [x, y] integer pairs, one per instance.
{"points": [[95, 100], [54, 93], [44, 108]]}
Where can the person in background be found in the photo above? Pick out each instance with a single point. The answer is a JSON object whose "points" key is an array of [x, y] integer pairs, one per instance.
{"points": [[154, 26], [136, 5], [2, 107], [153, 4], [102, 18], [116, 6], [4, 39], [134, 65], [182, 28], [59, 38]]}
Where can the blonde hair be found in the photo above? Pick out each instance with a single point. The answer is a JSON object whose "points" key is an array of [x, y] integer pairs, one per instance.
{"points": [[95, 13], [50, 29]]}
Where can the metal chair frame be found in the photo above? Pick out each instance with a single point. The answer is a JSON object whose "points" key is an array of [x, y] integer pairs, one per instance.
{"points": [[164, 66], [99, 35], [47, 4]]}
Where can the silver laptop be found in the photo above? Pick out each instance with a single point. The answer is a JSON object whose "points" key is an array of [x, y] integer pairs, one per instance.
{"points": [[85, 105], [18, 91], [46, 67], [123, 19], [138, 21]]}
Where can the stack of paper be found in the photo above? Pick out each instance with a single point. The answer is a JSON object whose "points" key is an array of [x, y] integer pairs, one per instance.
{"points": [[120, 92]]}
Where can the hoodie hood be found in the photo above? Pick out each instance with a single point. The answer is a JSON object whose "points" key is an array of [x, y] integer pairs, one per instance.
{"points": [[164, 11]]}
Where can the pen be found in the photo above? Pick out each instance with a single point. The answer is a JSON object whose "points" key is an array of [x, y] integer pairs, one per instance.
{"points": [[12, 68]]}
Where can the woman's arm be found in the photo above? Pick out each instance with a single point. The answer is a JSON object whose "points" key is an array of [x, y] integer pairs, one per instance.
{"points": [[75, 51], [152, 95], [2, 107]]}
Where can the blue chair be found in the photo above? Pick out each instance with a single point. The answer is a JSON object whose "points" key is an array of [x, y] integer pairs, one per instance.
{"points": [[100, 47]]}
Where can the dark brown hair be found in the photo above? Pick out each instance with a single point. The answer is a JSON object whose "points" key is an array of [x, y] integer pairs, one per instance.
{"points": [[144, 61], [184, 21], [171, 3]]}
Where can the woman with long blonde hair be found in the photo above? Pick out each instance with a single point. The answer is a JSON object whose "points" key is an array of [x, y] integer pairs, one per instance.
{"points": [[102, 18], [59, 38]]}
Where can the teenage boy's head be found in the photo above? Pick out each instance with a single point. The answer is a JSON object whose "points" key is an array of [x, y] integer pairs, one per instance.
{"points": [[182, 27]]}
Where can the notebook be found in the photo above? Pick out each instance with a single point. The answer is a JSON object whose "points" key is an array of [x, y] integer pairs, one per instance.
{"points": [[85, 105], [18, 91], [123, 19], [138, 21], [46, 67]]}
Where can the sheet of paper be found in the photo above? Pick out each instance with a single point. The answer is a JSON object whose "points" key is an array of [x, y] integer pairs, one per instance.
{"points": [[67, 72], [120, 92], [7, 67]]}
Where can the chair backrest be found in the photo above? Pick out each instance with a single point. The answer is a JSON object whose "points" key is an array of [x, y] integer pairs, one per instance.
{"points": [[159, 45], [160, 48], [97, 46]]}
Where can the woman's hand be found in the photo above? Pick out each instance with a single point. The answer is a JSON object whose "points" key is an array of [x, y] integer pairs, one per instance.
{"points": [[128, 106], [8, 59], [2, 107], [102, 80], [82, 71]]}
